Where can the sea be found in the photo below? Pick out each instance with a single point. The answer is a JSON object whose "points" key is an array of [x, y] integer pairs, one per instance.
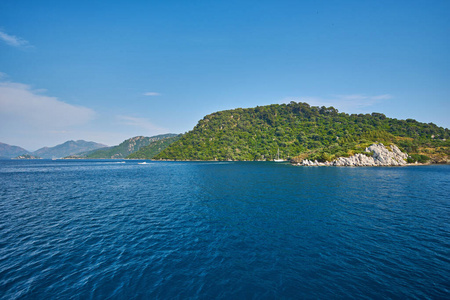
{"points": [[107, 229]]}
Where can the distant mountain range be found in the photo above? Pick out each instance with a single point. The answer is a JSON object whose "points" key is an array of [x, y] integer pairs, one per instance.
{"points": [[123, 149], [67, 148], [58, 151], [92, 150], [8, 151]]}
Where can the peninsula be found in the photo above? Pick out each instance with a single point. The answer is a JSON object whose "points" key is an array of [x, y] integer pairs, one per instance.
{"points": [[303, 132]]}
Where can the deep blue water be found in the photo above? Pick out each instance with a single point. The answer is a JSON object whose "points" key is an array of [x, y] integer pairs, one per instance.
{"points": [[179, 230]]}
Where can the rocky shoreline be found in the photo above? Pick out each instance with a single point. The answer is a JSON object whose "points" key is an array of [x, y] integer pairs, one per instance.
{"points": [[27, 156], [381, 156]]}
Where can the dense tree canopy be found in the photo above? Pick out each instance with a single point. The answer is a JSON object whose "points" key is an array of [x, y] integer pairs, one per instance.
{"points": [[155, 147], [296, 129]]}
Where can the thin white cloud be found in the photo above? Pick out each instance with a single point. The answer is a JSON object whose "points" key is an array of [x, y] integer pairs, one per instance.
{"points": [[351, 103], [13, 40], [21, 106], [141, 123], [32, 119], [152, 94], [382, 97]]}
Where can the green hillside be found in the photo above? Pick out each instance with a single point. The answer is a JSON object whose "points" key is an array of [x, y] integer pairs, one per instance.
{"points": [[126, 147], [153, 148], [298, 129]]}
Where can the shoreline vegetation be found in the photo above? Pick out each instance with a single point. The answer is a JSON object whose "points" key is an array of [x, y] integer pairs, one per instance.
{"points": [[229, 161]]}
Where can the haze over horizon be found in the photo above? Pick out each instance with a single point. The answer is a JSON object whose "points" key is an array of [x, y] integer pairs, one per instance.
{"points": [[107, 72]]}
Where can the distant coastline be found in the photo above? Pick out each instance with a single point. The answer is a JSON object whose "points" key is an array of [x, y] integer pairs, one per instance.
{"points": [[295, 132]]}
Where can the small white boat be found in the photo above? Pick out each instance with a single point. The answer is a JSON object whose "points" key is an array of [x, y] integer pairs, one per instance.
{"points": [[278, 157], [142, 163]]}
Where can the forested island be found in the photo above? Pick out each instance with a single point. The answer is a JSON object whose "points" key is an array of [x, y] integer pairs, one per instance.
{"points": [[300, 132]]}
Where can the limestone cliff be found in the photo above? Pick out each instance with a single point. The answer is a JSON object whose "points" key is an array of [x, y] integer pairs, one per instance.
{"points": [[381, 156]]}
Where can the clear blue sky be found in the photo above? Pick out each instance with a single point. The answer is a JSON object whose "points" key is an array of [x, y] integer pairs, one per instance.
{"points": [[109, 70]]}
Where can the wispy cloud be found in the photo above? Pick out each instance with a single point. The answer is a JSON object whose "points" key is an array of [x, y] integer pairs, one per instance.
{"points": [[152, 94], [382, 97], [31, 119], [352, 103], [13, 40], [141, 123], [20, 105]]}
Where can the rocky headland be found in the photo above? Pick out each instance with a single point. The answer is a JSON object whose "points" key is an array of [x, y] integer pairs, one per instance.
{"points": [[27, 156], [381, 155]]}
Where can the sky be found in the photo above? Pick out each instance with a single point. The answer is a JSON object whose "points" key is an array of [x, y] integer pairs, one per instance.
{"points": [[106, 71]]}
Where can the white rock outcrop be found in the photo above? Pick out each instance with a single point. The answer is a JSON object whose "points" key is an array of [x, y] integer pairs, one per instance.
{"points": [[381, 156]]}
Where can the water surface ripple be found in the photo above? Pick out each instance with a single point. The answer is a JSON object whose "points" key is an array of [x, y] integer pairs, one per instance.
{"points": [[180, 230]]}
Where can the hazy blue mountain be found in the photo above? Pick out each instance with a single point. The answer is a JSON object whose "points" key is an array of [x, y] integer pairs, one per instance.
{"points": [[66, 149], [8, 151], [126, 147]]}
